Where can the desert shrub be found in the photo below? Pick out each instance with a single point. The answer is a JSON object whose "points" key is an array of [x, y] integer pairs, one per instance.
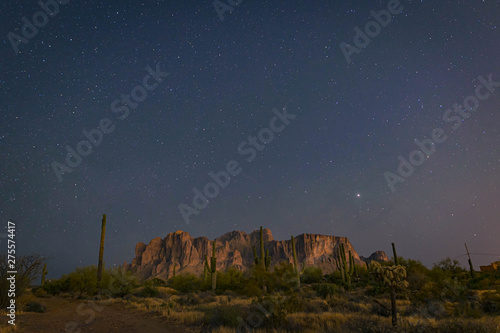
{"points": [[312, 323], [40, 292], [83, 281], [325, 290], [417, 275], [467, 325], [283, 277], [28, 267], [35, 307], [232, 279], [207, 297], [150, 291], [342, 304], [228, 316], [54, 287], [293, 303], [272, 311], [155, 282], [253, 288], [189, 300], [451, 266], [367, 324], [116, 282], [490, 302], [334, 277], [311, 275], [186, 283], [438, 310], [467, 310], [315, 306]]}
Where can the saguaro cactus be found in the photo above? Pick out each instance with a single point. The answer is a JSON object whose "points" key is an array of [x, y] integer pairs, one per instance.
{"points": [[213, 267], [352, 265], [44, 273], [295, 265], [267, 260], [346, 270], [101, 250], [396, 262], [395, 278], [256, 257], [264, 259]]}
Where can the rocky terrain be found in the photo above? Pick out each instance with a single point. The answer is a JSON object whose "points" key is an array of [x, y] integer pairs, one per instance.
{"points": [[234, 249]]}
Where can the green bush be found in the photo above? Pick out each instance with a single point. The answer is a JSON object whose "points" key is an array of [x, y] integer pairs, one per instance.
{"points": [[325, 290], [83, 281], [186, 283], [35, 307], [155, 282], [232, 279], [223, 316], [490, 302], [150, 291], [40, 292], [312, 275], [189, 300]]}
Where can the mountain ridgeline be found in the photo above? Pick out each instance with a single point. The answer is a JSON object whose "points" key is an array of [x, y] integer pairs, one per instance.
{"points": [[182, 253]]}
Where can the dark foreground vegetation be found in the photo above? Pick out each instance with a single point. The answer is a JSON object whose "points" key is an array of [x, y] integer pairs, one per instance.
{"points": [[445, 298]]}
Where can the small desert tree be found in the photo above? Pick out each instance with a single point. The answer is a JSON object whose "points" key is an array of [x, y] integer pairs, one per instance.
{"points": [[28, 268]]}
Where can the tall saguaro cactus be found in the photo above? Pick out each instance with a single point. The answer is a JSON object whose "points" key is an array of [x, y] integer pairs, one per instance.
{"points": [[352, 265], [267, 260], [295, 264], [101, 250], [213, 267], [396, 262], [346, 270], [264, 259], [44, 273]]}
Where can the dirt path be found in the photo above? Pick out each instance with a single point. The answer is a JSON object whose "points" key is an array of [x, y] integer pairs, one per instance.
{"points": [[79, 316]]}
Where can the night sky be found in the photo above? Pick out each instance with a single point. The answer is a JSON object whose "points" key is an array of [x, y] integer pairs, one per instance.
{"points": [[227, 79]]}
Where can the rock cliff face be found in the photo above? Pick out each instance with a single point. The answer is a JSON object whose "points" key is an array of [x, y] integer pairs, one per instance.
{"points": [[376, 256], [234, 249]]}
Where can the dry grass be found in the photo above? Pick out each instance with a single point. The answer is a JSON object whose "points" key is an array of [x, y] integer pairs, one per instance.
{"points": [[9, 328]]}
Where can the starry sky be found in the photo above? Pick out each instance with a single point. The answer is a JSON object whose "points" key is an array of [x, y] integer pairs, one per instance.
{"points": [[323, 173]]}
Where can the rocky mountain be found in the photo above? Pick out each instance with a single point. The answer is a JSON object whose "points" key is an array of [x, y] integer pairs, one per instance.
{"points": [[234, 249], [376, 256]]}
